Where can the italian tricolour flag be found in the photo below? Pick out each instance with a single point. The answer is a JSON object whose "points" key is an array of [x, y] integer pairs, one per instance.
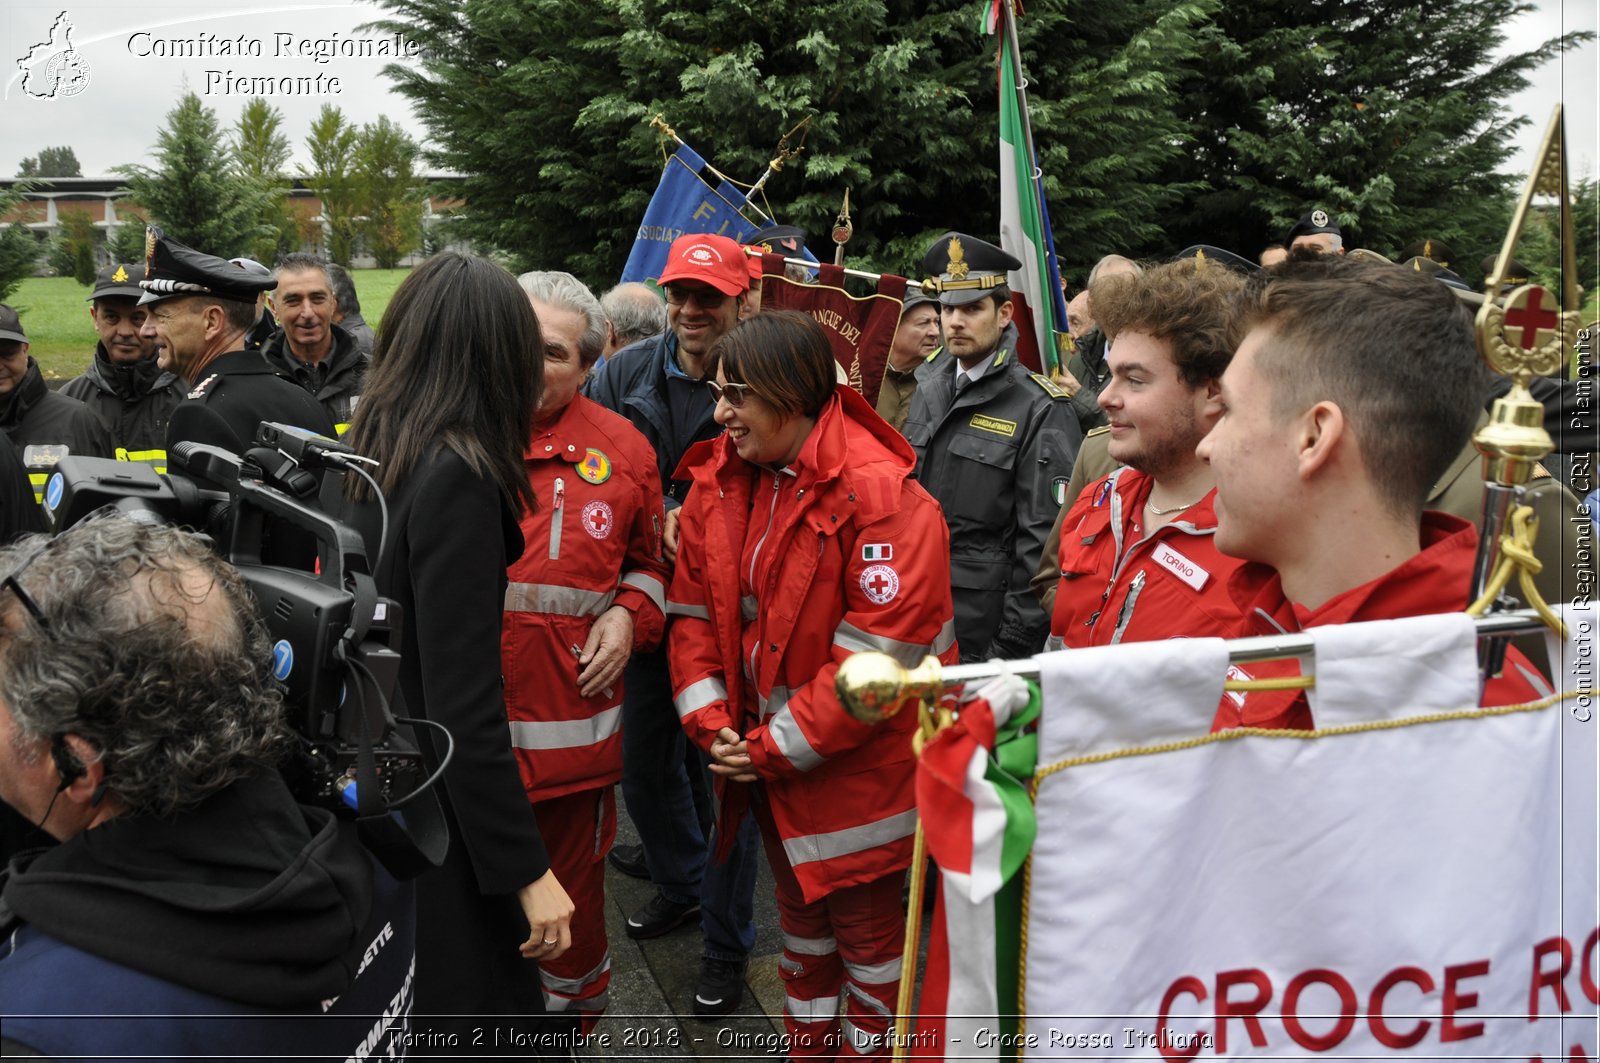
{"points": [[972, 796], [1024, 219]]}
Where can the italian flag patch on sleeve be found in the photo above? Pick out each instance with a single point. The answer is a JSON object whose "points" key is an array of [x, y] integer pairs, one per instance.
{"points": [[877, 552]]}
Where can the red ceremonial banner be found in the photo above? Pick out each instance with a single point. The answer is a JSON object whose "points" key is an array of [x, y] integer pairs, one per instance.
{"points": [[860, 328]]}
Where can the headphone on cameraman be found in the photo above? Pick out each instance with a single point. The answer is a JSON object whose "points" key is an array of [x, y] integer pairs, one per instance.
{"points": [[68, 765]]}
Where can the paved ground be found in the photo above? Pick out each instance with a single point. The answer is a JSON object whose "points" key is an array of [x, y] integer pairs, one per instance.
{"points": [[652, 983]]}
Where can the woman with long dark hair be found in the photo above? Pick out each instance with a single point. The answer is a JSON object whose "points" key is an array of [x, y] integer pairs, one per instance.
{"points": [[448, 405], [803, 540]]}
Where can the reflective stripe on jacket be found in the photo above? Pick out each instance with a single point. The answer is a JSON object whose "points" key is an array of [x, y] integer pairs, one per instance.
{"points": [[594, 541], [854, 555]]}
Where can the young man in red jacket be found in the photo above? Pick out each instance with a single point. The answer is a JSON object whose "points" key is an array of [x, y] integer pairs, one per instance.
{"points": [[1351, 391], [1137, 557]]}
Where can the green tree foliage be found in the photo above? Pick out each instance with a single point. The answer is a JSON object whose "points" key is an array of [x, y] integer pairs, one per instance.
{"points": [[1387, 114], [390, 192], [1586, 229], [195, 192], [74, 251], [19, 251], [52, 162], [261, 151], [125, 243], [332, 146], [544, 106]]}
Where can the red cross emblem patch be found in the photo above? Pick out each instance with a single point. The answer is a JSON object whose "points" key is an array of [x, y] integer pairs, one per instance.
{"points": [[880, 583], [1529, 322], [598, 519]]}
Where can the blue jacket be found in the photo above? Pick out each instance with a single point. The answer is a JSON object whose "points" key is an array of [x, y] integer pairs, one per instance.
{"points": [[643, 383]]}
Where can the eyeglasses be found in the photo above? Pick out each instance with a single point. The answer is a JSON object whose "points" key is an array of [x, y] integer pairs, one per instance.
{"points": [[708, 298], [12, 584], [734, 394]]}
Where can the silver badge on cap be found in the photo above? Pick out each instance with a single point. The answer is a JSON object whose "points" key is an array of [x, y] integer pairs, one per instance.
{"points": [[1319, 218]]}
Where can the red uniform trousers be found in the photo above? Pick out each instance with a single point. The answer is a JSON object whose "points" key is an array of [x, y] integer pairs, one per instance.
{"points": [[852, 939], [578, 830]]}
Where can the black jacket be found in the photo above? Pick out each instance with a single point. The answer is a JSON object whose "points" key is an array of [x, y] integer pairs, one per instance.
{"points": [[450, 538], [996, 456], [134, 402], [234, 394], [47, 427], [247, 905], [336, 383], [1088, 365]]}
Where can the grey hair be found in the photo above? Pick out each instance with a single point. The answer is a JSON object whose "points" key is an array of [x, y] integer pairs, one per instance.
{"points": [[153, 655], [635, 311], [570, 293], [344, 289], [1111, 260]]}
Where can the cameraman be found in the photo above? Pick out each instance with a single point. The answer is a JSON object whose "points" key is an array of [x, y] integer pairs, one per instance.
{"points": [[139, 726]]}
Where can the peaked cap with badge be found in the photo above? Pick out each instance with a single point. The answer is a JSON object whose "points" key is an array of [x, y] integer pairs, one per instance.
{"points": [[1207, 254], [968, 269], [174, 270], [1312, 223], [120, 280], [788, 240]]}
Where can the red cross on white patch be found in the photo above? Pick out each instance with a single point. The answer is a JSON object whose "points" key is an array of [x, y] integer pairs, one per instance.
{"points": [[597, 519], [880, 583]]}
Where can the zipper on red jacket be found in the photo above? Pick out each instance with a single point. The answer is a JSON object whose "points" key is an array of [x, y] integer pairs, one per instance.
{"points": [[555, 518], [1126, 614], [755, 555]]}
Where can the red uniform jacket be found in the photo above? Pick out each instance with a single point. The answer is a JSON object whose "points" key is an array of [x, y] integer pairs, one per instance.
{"points": [[1119, 584], [780, 577], [1434, 581], [594, 541]]}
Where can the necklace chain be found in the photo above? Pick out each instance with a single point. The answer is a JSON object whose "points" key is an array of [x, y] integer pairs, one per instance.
{"points": [[1175, 509]]}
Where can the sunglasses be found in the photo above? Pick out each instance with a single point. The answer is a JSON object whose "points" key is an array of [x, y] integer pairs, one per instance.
{"points": [[733, 394], [708, 298]]}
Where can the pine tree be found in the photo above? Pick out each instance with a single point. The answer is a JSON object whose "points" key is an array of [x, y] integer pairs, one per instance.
{"points": [[195, 193], [332, 145], [1387, 114], [544, 106], [19, 251], [261, 152]]}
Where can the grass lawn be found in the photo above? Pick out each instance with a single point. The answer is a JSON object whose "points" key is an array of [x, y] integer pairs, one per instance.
{"points": [[55, 315]]}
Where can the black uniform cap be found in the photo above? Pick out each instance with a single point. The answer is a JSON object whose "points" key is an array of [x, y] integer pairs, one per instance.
{"points": [[118, 281], [957, 257], [1311, 223], [1517, 272], [1219, 255], [1430, 248], [174, 270], [781, 239]]}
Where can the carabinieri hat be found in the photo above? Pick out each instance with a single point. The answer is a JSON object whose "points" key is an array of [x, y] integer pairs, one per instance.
{"points": [[968, 269], [174, 270]]}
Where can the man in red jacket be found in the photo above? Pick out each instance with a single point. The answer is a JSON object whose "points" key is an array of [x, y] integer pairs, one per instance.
{"points": [[1137, 557], [1350, 393]]}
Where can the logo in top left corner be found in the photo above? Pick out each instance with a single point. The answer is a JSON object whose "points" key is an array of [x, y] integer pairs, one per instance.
{"points": [[53, 69]]}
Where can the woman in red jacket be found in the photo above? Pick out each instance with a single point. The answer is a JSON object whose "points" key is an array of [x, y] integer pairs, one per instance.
{"points": [[587, 592], [804, 540]]}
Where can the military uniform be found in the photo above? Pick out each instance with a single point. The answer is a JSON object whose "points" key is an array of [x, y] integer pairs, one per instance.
{"points": [[997, 456]]}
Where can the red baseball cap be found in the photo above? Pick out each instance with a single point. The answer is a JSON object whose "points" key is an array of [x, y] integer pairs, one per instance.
{"points": [[716, 260]]}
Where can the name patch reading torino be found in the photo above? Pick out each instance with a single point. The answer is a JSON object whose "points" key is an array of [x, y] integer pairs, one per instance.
{"points": [[1180, 566]]}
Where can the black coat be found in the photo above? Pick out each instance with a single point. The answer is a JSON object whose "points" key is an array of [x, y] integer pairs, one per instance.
{"points": [[337, 386], [234, 394], [451, 537], [47, 427], [997, 457], [134, 402]]}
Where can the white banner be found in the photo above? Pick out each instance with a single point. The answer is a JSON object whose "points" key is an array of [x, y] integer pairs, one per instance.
{"points": [[1388, 887]]}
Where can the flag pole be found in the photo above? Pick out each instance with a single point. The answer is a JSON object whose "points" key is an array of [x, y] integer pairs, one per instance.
{"points": [[659, 124]]}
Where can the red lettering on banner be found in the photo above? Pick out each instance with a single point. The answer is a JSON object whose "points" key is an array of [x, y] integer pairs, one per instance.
{"points": [[1165, 1041], [1246, 1010], [1575, 1054], [1347, 1009], [1556, 946], [1380, 993], [1454, 1000], [1587, 975]]}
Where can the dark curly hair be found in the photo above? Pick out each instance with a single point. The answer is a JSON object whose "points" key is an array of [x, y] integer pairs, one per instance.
{"points": [[150, 650]]}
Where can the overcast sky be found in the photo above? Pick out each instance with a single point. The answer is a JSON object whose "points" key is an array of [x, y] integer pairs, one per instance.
{"points": [[131, 84]]}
